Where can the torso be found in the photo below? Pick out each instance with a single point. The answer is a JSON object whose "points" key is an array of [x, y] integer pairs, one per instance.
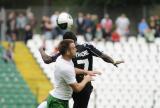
{"points": [[64, 75]]}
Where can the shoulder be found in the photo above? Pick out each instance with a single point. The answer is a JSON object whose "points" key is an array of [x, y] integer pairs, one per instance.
{"points": [[59, 59], [63, 63], [60, 62], [88, 45], [67, 69]]}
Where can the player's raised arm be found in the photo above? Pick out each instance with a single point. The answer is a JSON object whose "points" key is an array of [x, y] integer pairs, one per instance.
{"points": [[108, 59], [46, 58], [105, 57]]}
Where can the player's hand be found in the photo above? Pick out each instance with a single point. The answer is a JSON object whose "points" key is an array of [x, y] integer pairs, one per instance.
{"points": [[118, 62], [93, 73], [88, 78]]}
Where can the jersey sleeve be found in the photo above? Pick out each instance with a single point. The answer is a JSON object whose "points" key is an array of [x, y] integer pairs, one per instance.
{"points": [[69, 76], [54, 57], [94, 51]]}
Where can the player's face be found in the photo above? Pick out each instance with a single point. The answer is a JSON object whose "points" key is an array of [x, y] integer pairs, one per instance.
{"points": [[73, 50]]}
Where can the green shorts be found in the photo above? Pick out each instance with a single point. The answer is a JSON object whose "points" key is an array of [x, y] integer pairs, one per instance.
{"points": [[53, 102]]}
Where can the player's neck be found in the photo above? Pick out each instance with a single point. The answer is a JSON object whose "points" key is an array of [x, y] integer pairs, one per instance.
{"points": [[67, 58]]}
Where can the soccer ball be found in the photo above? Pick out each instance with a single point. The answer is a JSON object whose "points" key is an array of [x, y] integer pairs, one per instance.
{"points": [[64, 21]]}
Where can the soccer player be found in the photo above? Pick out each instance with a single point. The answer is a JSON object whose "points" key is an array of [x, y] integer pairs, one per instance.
{"points": [[65, 81], [82, 60]]}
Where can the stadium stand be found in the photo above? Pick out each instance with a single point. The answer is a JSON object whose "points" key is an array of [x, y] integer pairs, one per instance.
{"points": [[134, 84], [31, 72], [14, 92]]}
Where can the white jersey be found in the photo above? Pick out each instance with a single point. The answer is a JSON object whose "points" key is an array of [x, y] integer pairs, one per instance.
{"points": [[43, 105], [63, 76]]}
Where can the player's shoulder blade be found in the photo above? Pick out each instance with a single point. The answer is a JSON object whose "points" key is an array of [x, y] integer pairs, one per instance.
{"points": [[88, 45]]}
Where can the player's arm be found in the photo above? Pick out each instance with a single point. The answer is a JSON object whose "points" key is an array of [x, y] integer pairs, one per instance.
{"points": [[82, 71], [77, 87], [108, 59], [105, 57], [69, 76], [46, 58]]}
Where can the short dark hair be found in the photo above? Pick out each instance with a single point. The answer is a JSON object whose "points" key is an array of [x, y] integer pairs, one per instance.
{"points": [[70, 35], [64, 45]]}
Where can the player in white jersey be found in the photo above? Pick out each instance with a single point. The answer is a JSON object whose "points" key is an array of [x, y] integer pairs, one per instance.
{"points": [[65, 81]]}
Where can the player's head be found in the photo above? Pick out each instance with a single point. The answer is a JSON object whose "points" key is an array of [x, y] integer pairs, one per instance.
{"points": [[67, 48], [70, 35]]}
